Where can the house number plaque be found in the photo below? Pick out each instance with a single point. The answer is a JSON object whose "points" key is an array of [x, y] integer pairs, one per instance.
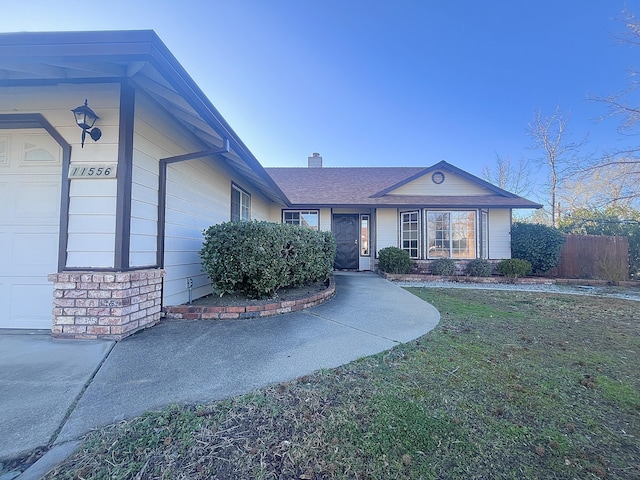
{"points": [[93, 170]]}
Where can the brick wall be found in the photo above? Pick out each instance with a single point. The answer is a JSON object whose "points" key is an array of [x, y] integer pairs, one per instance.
{"points": [[107, 305]]}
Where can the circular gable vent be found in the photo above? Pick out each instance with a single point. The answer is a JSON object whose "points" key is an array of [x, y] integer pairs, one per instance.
{"points": [[437, 177]]}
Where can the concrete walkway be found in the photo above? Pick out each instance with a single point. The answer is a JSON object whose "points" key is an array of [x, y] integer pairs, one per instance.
{"points": [[86, 385]]}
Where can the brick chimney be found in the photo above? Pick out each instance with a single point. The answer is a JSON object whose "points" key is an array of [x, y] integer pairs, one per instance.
{"points": [[315, 161]]}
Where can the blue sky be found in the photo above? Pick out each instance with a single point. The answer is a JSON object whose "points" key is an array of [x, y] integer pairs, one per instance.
{"points": [[380, 83]]}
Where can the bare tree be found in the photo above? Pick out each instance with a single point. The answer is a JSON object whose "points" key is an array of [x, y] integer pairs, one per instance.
{"points": [[611, 186], [621, 104], [559, 156], [624, 105], [515, 178]]}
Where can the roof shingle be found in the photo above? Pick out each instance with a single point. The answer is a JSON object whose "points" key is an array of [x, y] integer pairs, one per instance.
{"points": [[361, 186]]}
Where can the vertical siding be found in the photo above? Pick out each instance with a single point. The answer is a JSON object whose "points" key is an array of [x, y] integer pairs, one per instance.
{"points": [[386, 228], [91, 239], [453, 185], [499, 233]]}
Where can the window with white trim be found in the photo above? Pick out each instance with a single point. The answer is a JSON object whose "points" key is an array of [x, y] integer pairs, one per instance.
{"points": [[451, 234], [364, 235], [305, 218], [240, 204], [410, 233]]}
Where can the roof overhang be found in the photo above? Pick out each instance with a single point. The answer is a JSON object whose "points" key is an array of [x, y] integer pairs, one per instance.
{"points": [[141, 59], [438, 203]]}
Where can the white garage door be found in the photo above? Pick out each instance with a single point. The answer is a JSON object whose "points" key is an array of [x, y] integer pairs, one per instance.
{"points": [[30, 173]]}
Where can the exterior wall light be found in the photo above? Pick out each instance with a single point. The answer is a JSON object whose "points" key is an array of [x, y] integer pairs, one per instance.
{"points": [[85, 118]]}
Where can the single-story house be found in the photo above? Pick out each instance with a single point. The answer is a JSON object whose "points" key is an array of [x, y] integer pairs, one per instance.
{"points": [[434, 212], [101, 218]]}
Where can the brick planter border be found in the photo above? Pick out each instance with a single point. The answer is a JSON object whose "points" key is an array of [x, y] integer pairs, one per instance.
{"points": [[415, 277], [231, 312]]}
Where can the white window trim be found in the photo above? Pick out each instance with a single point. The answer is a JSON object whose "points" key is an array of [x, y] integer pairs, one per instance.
{"points": [[244, 195], [419, 230], [301, 212], [426, 232], [484, 234], [368, 239]]}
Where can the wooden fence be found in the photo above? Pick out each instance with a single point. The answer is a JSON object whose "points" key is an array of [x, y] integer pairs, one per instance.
{"points": [[600, 257]]}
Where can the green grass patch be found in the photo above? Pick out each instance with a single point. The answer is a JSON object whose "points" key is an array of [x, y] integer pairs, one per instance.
{"points": [[625, 395], [510, 385], [396, 437]]}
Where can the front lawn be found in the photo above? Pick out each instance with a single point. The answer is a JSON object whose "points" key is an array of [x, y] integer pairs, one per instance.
{"points": [[510, 385]]}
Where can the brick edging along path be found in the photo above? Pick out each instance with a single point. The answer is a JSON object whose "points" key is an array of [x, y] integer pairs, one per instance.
{"points": [[414, 277], [204, 312]]}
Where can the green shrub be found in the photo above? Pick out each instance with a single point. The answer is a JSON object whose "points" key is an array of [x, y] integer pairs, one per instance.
{"points": [[394, 260], [538, 244], [479, 268], [513, 268], [443, 266], [258, 258]]}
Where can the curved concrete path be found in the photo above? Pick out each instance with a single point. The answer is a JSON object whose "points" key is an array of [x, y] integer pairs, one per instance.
{"points": [[202, 361]]}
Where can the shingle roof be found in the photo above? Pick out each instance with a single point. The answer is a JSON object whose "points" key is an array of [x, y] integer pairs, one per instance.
{"points": [[369, 186], [336, 186]]}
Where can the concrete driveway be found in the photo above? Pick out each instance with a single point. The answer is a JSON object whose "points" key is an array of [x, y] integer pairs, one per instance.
{"points": [[57, 391], [40, 381]]}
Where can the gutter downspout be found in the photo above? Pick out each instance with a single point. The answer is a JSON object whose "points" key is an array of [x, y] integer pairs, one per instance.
{"points": [[162, 191]]}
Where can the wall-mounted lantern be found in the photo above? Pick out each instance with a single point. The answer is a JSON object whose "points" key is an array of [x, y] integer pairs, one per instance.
{"points": [[85, 118]]}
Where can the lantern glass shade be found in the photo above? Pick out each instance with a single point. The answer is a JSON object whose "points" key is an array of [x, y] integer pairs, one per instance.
{"points": [[85, 117]]}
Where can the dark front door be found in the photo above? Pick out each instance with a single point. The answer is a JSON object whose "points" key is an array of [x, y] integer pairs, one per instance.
{"points": [[346, 231]]}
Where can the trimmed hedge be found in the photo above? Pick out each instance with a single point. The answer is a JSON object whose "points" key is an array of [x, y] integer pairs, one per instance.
{"points": [[479, 267], [513, 268], [443, 266], [258, 258], [538, 244], [394, 260]]}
